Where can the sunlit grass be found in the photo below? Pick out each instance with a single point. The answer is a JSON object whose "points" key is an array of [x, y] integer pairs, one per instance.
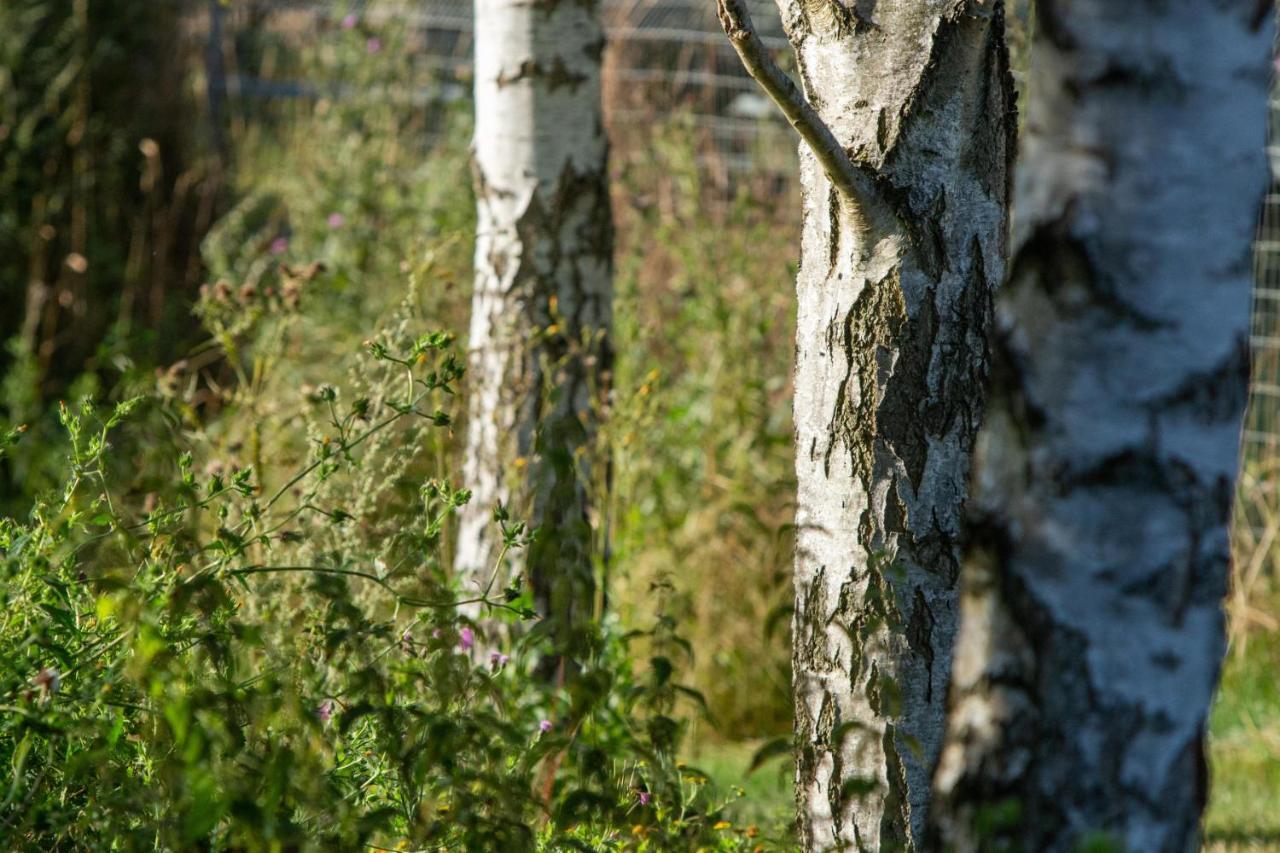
{"points": [[767, 799], [1244, 798]]}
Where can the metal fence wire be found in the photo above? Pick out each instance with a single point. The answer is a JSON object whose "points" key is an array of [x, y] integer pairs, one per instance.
{"points": [[666, 56], [662, 55]]}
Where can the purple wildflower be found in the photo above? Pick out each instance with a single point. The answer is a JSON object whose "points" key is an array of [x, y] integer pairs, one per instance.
{"points": [[466, 638], [643, 797], [336, 220], [279, 245], [498, 660], [350, 21], [324, 711], [544, 726], [373, 45]]}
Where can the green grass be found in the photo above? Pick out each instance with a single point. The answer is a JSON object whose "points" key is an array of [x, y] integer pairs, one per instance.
{"points": [[1244, 747], [1244, 802], [767, 799]]}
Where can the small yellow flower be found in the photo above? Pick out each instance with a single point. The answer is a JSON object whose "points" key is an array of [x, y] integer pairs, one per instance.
{"points": [[722, 825]]}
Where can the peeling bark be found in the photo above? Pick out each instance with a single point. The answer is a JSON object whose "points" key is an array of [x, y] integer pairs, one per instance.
{"points": [[540, 357], [894, 297], [1092, 626]]}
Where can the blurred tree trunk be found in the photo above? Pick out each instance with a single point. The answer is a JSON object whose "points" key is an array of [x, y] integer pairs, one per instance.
{"points": [[905, 227], [1092, 621], [540, 355]]}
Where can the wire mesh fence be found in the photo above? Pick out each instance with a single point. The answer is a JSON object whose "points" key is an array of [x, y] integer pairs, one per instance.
{"points": [[665, 58], [1262, 424]]}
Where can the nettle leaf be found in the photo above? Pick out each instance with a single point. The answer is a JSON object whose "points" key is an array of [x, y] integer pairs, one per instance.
{"points": [[582, 804], [661, 668], [768, 751]]}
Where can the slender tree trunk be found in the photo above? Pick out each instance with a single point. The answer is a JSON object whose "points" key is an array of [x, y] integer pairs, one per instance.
{"points": [[541, 309], [1092, 622], [906, 183]]}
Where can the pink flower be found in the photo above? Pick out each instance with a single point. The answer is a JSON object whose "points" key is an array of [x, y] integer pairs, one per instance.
{"points": [[350, 21], [324, 711], [466, 638], [643, 797], [279, 245], [498, 660], [373, 45], [336, 220], [544, 726]]}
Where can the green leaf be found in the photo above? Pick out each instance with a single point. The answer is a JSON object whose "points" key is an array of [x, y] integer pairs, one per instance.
{"points": [[770, 750]]}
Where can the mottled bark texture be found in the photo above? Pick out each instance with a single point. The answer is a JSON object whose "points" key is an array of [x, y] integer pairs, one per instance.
{"points": [[1091, 611], [541, 310], [901, 255]]}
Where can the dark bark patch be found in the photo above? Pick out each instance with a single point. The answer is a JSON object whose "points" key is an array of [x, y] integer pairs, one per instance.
{"points": [[1214, 395], [1067, 269], [870, 329], [920, 636], [994, 144], [553, 75], [1051, 26]]}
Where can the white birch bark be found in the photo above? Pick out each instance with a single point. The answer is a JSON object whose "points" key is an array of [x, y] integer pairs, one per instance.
{"points": [[1092, 621], [900, 258], [541, 307]]}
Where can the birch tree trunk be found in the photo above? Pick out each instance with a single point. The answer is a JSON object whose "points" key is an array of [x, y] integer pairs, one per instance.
{"points": [[541, 309], [1092, 626], [900, 257]]}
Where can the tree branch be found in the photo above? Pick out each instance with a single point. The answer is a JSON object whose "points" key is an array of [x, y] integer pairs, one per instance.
{"points": [[848, 177]]}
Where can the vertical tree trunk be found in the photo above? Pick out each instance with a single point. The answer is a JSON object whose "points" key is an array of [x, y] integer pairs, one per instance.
{"points": [[1092, 623], [541, 309], [894, 293]]}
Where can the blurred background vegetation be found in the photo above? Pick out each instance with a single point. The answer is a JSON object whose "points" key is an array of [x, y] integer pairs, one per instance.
{"points": [[168, 171]]}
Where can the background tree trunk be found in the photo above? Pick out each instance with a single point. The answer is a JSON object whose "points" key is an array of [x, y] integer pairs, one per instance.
{"points": [[541, 309], [894, 297], [1092, 623]]}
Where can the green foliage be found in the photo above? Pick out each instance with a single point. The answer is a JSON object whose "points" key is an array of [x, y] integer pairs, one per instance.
{"points": [[103, 195], [254, 661], [700, 431], [1244, 746]]}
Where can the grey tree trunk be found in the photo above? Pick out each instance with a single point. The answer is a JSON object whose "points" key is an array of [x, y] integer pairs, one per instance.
{"points": [[901, 255], [1092, 626], [541, 310]]}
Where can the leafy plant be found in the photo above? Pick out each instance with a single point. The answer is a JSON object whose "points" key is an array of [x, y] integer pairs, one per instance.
{"points": [[242, 666]]}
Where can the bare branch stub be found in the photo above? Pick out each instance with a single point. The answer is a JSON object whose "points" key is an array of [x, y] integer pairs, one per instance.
{"points": [[849, 177]]}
